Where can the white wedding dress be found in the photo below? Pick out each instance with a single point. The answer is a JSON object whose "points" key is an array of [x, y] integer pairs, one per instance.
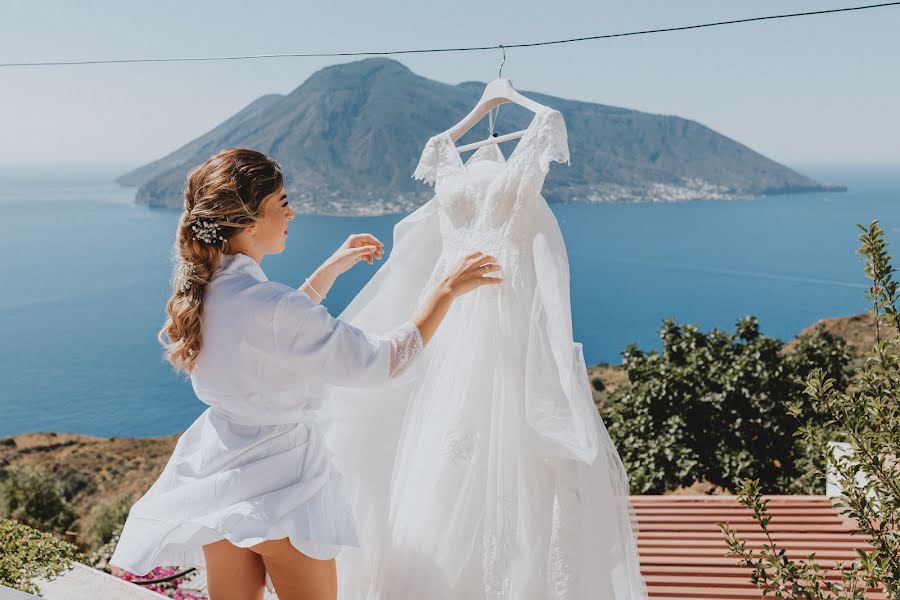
{"points": [[484, 472]]}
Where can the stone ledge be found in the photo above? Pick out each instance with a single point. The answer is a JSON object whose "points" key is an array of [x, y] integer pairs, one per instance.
{"points": [[84, 583]]}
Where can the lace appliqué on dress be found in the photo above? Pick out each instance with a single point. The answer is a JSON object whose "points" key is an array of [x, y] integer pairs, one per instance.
{"points": [[562, 573], [406, 345], [496, 581], [459, 446], [498, 548]]}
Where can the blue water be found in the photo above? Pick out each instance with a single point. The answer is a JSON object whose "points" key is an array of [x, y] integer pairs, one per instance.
{"points": [[85, 278]]}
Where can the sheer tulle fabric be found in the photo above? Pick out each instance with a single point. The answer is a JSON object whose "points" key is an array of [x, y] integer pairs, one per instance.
{"points": [[485, 470]]}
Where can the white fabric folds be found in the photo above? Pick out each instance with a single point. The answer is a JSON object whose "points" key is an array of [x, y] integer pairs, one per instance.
{"points": [[254, 466], [484, 471]]}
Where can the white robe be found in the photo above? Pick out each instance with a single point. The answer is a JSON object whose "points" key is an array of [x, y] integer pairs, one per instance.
{"points": [[254, 466]]}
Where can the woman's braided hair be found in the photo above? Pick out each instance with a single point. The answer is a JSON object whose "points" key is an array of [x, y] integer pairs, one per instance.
{"points": [[221, 196]]}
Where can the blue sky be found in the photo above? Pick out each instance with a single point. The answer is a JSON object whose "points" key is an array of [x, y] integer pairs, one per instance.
{"points": [[813, 90]]}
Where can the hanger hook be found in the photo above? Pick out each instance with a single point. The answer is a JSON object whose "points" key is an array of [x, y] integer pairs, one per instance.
{"points": [[500, 72]]}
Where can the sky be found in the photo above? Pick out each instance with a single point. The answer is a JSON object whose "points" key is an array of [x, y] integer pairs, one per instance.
{"points": [[806, 91]]}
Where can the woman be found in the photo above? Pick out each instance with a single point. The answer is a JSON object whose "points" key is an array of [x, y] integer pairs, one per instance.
{"points": [[250, 491]]}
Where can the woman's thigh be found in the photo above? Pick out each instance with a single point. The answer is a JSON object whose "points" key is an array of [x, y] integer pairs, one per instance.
{"points": [[234, 573], [296, 576]]}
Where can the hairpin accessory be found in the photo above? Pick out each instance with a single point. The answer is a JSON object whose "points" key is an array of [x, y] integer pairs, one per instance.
{"points": [[206, 231], [183, 275]]}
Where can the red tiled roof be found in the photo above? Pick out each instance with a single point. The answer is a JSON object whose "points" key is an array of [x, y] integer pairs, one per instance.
{"points": [[683, 551]]}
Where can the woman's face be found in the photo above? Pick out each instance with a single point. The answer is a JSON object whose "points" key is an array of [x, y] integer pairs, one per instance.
{"points": [[269, 234]]}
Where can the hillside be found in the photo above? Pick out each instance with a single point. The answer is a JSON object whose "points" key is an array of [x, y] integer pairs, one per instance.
{"points": [[857, 330], [93, 468]]}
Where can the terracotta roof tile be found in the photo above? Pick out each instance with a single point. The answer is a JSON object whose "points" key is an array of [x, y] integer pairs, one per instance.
{"points": [[683, 551]]}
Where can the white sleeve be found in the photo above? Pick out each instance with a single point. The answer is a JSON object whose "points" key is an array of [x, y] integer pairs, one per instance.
{"points": [[336, 351], [553, 141]]}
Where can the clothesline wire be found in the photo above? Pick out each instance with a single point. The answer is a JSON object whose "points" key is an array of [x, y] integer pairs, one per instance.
{"points": [[436, 50]]}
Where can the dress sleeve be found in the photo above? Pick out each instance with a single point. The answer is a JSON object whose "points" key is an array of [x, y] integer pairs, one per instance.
{"points": [[558, 402], [427, 169], [553, 141], [335, 350]]}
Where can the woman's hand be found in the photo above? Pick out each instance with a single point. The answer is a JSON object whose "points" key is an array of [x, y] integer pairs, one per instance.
{"points": [[359, 246], [469, 274]]}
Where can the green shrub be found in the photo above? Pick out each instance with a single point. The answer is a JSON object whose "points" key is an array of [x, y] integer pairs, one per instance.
{"points": [[73, 482], [714, 407], [33, 497], [106, 520], [99, 558], [26, 553]]}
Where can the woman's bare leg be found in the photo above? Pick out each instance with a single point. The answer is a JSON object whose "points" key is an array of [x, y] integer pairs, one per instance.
{"points": [[296, 576], [234, 573]]}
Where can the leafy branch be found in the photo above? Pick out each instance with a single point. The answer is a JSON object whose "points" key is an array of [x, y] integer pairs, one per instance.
{"points": [[865, 417]]}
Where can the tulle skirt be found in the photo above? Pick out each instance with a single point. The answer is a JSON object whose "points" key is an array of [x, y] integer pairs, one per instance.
{"points": [[486, 473]]}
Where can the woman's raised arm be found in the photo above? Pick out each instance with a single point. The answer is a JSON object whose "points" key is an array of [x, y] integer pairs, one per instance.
{"points": [[345, 355]]}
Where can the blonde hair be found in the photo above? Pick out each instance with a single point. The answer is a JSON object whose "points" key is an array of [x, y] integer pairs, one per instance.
{"points": [[228, 189]]}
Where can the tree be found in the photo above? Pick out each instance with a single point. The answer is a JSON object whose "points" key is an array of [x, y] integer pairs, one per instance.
{"points": [[714, 407], [33, 497], [867, 416]]}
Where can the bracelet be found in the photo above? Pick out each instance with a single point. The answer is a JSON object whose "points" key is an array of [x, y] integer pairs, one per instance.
{"points": [[314, 289]]}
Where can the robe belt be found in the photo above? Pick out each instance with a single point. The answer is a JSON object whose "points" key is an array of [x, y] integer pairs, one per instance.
{"points": [[263, 409]]}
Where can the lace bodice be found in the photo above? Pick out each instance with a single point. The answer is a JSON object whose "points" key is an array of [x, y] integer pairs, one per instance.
{"points": [[485, 202]]}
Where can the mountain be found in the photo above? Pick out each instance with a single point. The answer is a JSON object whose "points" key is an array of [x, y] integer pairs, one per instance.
{"points": [[204, 146], [351, 135]]}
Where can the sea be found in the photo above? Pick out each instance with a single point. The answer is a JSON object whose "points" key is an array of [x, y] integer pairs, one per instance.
{"points": [[85, 276]]}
